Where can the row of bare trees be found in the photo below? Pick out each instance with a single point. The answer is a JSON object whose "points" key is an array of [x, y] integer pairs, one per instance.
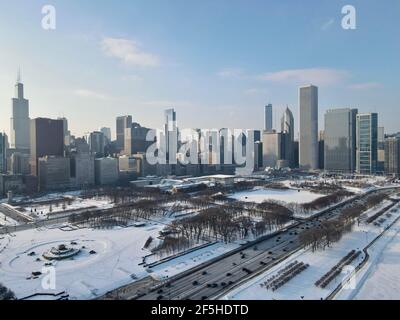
{"points": [[233, 221], [326, 201], [327, 233], [331, 231]]}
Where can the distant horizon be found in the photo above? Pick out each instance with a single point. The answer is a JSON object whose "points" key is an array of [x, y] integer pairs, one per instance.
{"points": [[103, 61]]}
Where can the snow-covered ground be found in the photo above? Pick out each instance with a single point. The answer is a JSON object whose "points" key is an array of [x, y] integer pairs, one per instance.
{"points": [[320, 262], [190, 260], [259, 195], [6, 221], [379, 279], [42, 211], [118, 253]]}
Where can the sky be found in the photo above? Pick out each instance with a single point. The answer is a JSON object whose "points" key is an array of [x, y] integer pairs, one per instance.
{"points": [[217, 62]]}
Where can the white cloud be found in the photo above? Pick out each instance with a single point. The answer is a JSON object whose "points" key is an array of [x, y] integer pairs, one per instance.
{"points": [[85, 93], [129, 52], [365, 86], [327, 24], [317, 76], [232, 73]]}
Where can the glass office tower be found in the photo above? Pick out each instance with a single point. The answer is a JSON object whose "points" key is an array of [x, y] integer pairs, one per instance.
{"points": [[367, 143]]}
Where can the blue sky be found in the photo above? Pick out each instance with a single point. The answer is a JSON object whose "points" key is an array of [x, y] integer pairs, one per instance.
{"points": [[217, 62]]}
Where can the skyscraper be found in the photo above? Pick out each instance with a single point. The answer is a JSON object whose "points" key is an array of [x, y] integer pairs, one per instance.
{"points": [[381, 150], [367, 143], [107, 133], [171, 135], [47, 139], [96, 143], [272, 148], [340, 140], [135, 139], [67, 134], [3, 150], [392, 155], [19, 133], [287, 129], [123, 123], [287, 123], [308, 138], [268, 117]]}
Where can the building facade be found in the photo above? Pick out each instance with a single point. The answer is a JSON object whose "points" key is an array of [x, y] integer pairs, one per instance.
{"points": [[97, 143], [135, 139], [82, 170], [106, 171], [3, 152], [367, 143], [340, 140], [287, 129], [107, 133], [272, 148], [19, 163], [171, 135], [47, 139], [308, 138], [392, 155], [54, 173], [123, 122], [268, 125]]}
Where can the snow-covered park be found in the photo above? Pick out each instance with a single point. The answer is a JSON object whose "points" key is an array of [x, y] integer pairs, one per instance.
{"points": [[377, 280], [259, 195], [114, 261]]}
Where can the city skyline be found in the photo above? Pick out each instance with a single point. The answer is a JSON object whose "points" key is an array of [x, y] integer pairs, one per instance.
{"points": [[98, 68]]}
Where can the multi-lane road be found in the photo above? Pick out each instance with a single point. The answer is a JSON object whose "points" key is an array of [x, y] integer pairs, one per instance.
{"points": [[213, 279]]}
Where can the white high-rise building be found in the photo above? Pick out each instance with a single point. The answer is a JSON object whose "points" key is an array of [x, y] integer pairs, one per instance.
{"points": [[19, 132], [268, 117], [308, 138]]}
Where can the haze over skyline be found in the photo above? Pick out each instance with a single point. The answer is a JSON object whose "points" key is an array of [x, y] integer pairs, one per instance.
{"points": [[140, 58]]}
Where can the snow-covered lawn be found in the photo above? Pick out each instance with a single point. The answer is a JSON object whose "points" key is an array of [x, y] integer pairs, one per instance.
{"points": [[259, 195], [320, 262], [115, 263], [45, 210]]}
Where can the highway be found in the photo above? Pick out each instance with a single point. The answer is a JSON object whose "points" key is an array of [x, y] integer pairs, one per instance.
{"points": [[212, 280]]}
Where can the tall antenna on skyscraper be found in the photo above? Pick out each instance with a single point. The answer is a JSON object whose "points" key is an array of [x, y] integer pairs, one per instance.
{"points": [[19, 75]]}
